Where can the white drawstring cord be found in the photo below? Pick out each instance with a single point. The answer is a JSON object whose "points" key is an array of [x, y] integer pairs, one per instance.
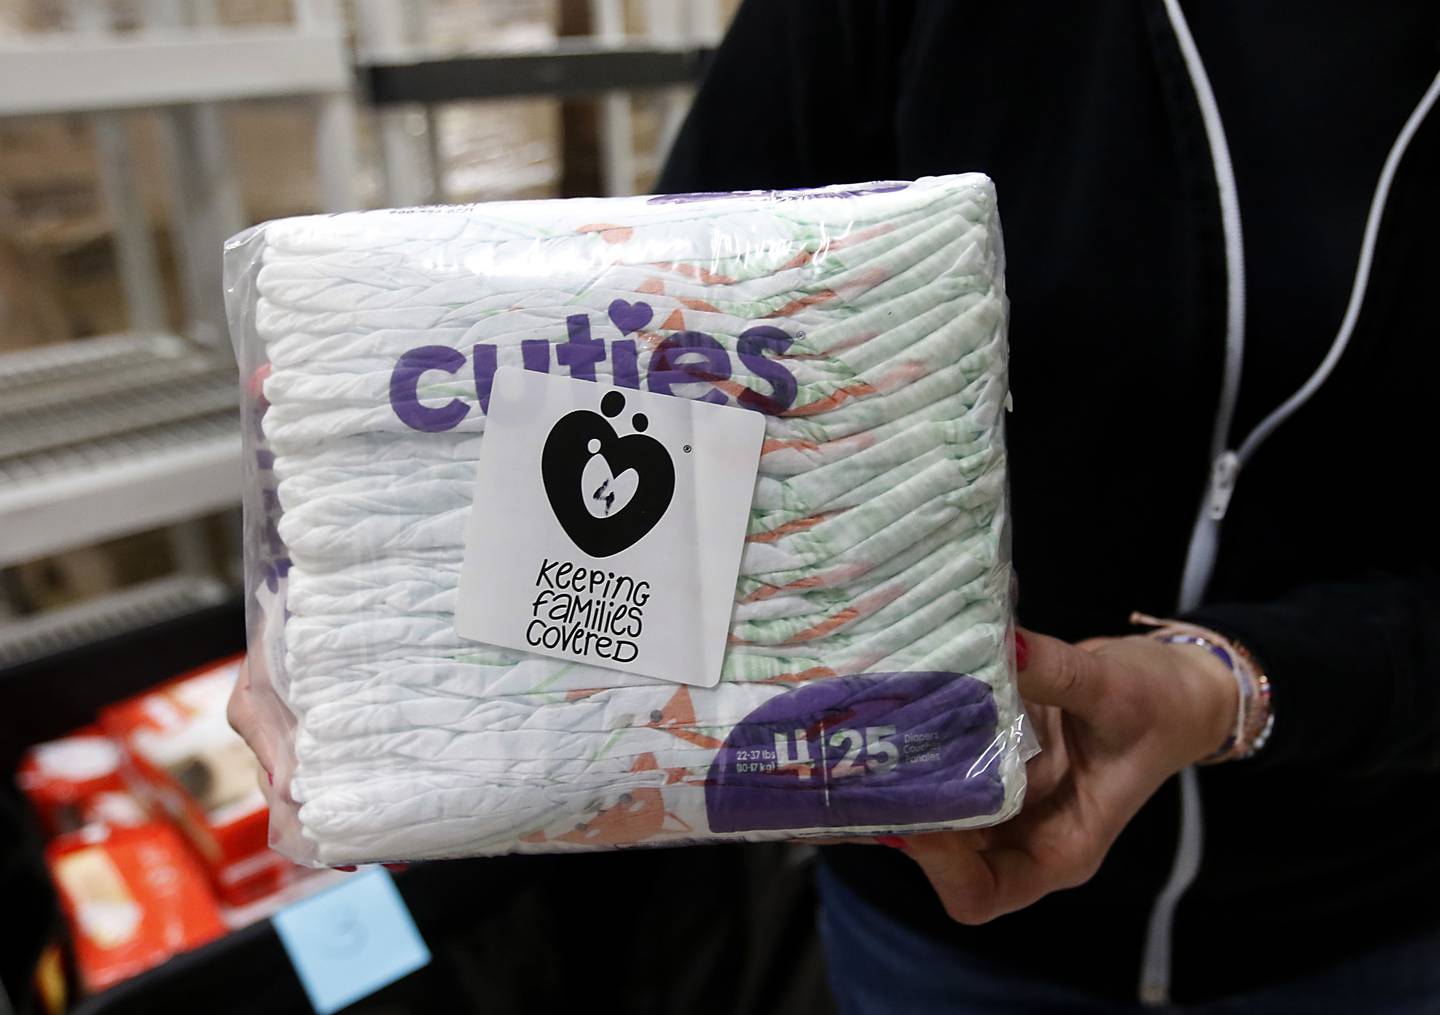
{"points": [[1358, 288]]}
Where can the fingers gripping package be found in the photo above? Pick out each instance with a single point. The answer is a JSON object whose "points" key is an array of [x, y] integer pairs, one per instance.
{"points": [[641, 521]]}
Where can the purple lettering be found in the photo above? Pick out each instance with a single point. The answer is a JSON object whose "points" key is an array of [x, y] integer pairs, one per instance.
{"points": [[405, 386], [686, 357], [667, 368], [582, 352], [625, 362], [751, 347], [535, 353], [483, 359]]}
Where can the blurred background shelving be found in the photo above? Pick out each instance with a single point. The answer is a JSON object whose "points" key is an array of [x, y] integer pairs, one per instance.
{"points": [[136, 135]]}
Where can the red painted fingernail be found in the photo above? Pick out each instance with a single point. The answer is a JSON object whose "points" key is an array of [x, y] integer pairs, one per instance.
{"points": [[893, 841], [398, 868], [347, 869], [1022, 652]]}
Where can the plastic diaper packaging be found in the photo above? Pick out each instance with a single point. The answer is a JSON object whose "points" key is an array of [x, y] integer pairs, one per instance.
{"points": [[640, 521]]}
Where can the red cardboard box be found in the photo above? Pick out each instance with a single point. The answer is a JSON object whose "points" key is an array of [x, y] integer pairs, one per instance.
{"points": [[180, 747], [77, 780], [133, 898]]}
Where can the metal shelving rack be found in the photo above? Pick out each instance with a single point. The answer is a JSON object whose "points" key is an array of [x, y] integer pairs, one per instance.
{"points": [[139, 606], [112, 435], [145, 423], [398, 76], [571, 67]]}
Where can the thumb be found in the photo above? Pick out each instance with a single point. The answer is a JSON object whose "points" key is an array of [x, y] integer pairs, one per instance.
{"points": [[1057, 673]]}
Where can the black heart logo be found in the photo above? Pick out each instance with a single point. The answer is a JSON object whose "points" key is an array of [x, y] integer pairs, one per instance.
{"points": [[607, 491]]}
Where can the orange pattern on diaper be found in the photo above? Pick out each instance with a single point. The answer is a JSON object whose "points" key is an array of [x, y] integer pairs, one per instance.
{"points": [[703, 275], [804, 257], [797, 305], [800, 676], [835, 398], [646, 763], [639, 815], [798, 525], [798, 444], [850, 343], [863, 607], [676, 718], [904, 373], [834, 576], [855, 442], [609, 232], [866, 279]]}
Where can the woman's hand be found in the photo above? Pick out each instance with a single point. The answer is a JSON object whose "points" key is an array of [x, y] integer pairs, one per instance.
{"points": [[243, 713], [243, 719], [1116, 718]]}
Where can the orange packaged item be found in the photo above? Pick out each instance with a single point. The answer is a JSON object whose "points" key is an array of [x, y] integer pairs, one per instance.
{"points": [[77, 779], [182, 750], [133, 898]]}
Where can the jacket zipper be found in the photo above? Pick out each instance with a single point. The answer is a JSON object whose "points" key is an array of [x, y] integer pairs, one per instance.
{"points": [[1155, 962], [1226, 464]]}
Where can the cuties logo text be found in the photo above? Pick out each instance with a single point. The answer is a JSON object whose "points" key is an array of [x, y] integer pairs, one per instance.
{"points": [[684, 357]]}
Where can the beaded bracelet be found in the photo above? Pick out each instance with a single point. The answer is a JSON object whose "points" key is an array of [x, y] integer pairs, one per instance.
{"points": [[1261, 720], [1254, 717]]}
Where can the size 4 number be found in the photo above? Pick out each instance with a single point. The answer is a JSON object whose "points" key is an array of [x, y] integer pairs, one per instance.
{"points": [[876, 743]]}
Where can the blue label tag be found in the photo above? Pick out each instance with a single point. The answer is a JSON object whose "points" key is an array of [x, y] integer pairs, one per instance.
{"points": [[351, 940]]}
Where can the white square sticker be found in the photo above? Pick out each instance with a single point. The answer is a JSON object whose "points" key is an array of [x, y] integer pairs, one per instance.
{"points": [[608, 525]]}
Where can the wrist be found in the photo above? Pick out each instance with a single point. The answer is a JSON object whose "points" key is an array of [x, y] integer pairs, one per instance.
{"points": [[1250, 713], [1218, 703]]}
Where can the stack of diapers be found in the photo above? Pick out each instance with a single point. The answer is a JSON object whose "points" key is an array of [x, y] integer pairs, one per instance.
{"points": [[868, 682]]}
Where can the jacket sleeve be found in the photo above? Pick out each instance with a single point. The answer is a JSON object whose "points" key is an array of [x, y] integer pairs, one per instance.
{"points": [[801, 93], [1354, 666]]}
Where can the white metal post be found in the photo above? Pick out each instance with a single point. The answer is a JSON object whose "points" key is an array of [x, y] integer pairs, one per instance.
{"points": [[205, 209], [385, 32], [617, 128], [205, 204], [664, 27], [336, 152], [336, 147], [120, 193], [434, 155], [706, 27]]}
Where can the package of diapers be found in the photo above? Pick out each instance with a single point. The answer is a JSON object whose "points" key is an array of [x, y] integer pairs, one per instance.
{"points": [[591, 524]]}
